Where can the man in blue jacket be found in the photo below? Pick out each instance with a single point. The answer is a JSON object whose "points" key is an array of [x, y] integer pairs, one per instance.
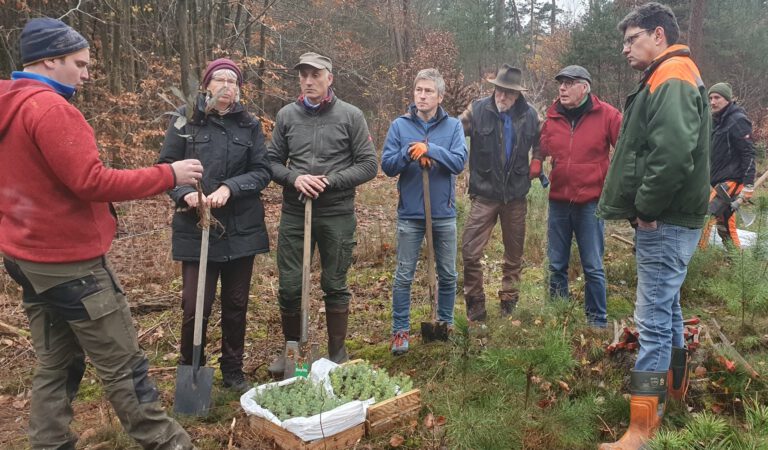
{"points": [[425, 138]]}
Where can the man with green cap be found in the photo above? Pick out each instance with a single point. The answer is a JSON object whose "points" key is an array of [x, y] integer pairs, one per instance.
{"points": [[321, 149], [732, 160]]}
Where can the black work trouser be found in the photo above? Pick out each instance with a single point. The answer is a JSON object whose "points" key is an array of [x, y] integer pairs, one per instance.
{"points": [[235, 278]]}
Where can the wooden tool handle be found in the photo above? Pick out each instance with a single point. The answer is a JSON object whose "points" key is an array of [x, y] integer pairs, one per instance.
{"points": [[306, 262], [430, 242], [202, 269]]}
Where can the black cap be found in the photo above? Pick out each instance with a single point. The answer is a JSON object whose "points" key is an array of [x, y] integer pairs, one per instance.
{"points": [[574, 72], [44, 38]]}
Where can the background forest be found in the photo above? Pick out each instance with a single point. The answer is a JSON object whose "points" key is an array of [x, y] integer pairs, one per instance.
{"points": [[540, 379]]}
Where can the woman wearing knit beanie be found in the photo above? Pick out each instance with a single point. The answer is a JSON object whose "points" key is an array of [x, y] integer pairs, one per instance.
{"points": [[230, 144]]}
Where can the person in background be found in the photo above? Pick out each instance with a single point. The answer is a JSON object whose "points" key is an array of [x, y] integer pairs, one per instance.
{"points": [[56, 226], [425, 138], [578, 134], [732, 160], [230, 144]]}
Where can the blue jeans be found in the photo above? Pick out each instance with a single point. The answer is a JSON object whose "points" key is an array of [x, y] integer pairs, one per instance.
{"points": [[566, 220], [410, 235], [662, 264]]}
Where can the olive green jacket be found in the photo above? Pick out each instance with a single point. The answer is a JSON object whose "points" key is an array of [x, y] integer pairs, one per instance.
{"points": [[660, 169]]}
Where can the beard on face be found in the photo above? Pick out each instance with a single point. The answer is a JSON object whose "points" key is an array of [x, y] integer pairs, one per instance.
{"points": [[502, 107]]}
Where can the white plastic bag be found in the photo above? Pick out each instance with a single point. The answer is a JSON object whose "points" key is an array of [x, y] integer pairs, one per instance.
{"points": [[318, 426]]}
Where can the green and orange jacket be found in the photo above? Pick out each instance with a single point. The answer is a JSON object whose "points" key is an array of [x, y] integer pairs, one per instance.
{"points": [[660, 170]]}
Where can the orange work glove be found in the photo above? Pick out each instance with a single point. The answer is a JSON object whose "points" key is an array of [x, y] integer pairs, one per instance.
{"points": [[417, 150], [426, 162], [535, 169]]}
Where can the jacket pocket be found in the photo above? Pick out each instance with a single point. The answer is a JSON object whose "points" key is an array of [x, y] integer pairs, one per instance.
{"points": [[483, 151], [101, 303], [345, 255], [633, 168], [83, 298], [237, 159]]}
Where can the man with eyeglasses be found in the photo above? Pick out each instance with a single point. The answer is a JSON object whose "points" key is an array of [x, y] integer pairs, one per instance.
{"points": [[578, 134], [659, 181], [503, 130]]}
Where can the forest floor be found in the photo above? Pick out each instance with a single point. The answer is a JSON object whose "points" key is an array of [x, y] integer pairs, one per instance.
{"points": [[538, 379]]}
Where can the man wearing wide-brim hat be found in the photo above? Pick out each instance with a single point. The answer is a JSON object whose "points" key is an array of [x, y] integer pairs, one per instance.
{"points": [[504, 133]]}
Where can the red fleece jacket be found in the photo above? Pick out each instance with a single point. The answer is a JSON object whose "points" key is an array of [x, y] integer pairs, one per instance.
{"points": [[54, 189], [580, 156]]}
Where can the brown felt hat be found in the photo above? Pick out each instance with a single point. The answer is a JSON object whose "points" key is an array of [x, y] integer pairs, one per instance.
{"points": [[509, 77]]}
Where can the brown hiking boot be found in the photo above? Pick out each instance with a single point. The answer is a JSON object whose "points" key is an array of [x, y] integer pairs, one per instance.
{"points": [[508, 302], [646, 408], [476, 308], [292, 332], [336, 318], [677, 377]]}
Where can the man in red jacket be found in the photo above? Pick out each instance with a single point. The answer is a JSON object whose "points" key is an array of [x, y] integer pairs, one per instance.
{"points": [[56, 226], [578, 133]]}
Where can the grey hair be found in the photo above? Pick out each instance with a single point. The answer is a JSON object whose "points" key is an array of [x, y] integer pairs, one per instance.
{"points": [[589, 85], [431, 75]]}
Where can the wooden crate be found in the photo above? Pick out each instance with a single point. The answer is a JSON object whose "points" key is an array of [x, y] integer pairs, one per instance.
{"points": [[286, 440], [388, 414]]}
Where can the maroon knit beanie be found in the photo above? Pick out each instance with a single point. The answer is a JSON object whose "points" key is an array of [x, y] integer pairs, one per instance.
{"points": [[221, 63]]}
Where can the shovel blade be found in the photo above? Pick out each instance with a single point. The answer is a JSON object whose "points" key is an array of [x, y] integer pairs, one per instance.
{"points": [[434, 331], [193, 390]]}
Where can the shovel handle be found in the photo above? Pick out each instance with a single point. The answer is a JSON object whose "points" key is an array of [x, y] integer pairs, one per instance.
{"points": [[306, 262], [203, 267], [430, 242]]}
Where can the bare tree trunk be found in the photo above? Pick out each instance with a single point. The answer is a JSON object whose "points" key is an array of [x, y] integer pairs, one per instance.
{"points": [[696, 27], [127, 28], [406, 30], [116, 66], [517, 25], [195, 39], [263, 62], [533, 27], [397, 38], [182, 22], [553, 17], [498, 28]]}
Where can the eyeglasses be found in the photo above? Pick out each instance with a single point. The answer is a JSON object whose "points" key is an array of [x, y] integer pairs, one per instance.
{"points": [[568, 83], [221, 80], [630, 40]]}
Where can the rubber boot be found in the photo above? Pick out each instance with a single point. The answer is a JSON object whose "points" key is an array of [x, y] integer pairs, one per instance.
{"points": [[291, 332], [476, 308], [646, 408], [508, 302], [677, 377], [336, 318]]}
